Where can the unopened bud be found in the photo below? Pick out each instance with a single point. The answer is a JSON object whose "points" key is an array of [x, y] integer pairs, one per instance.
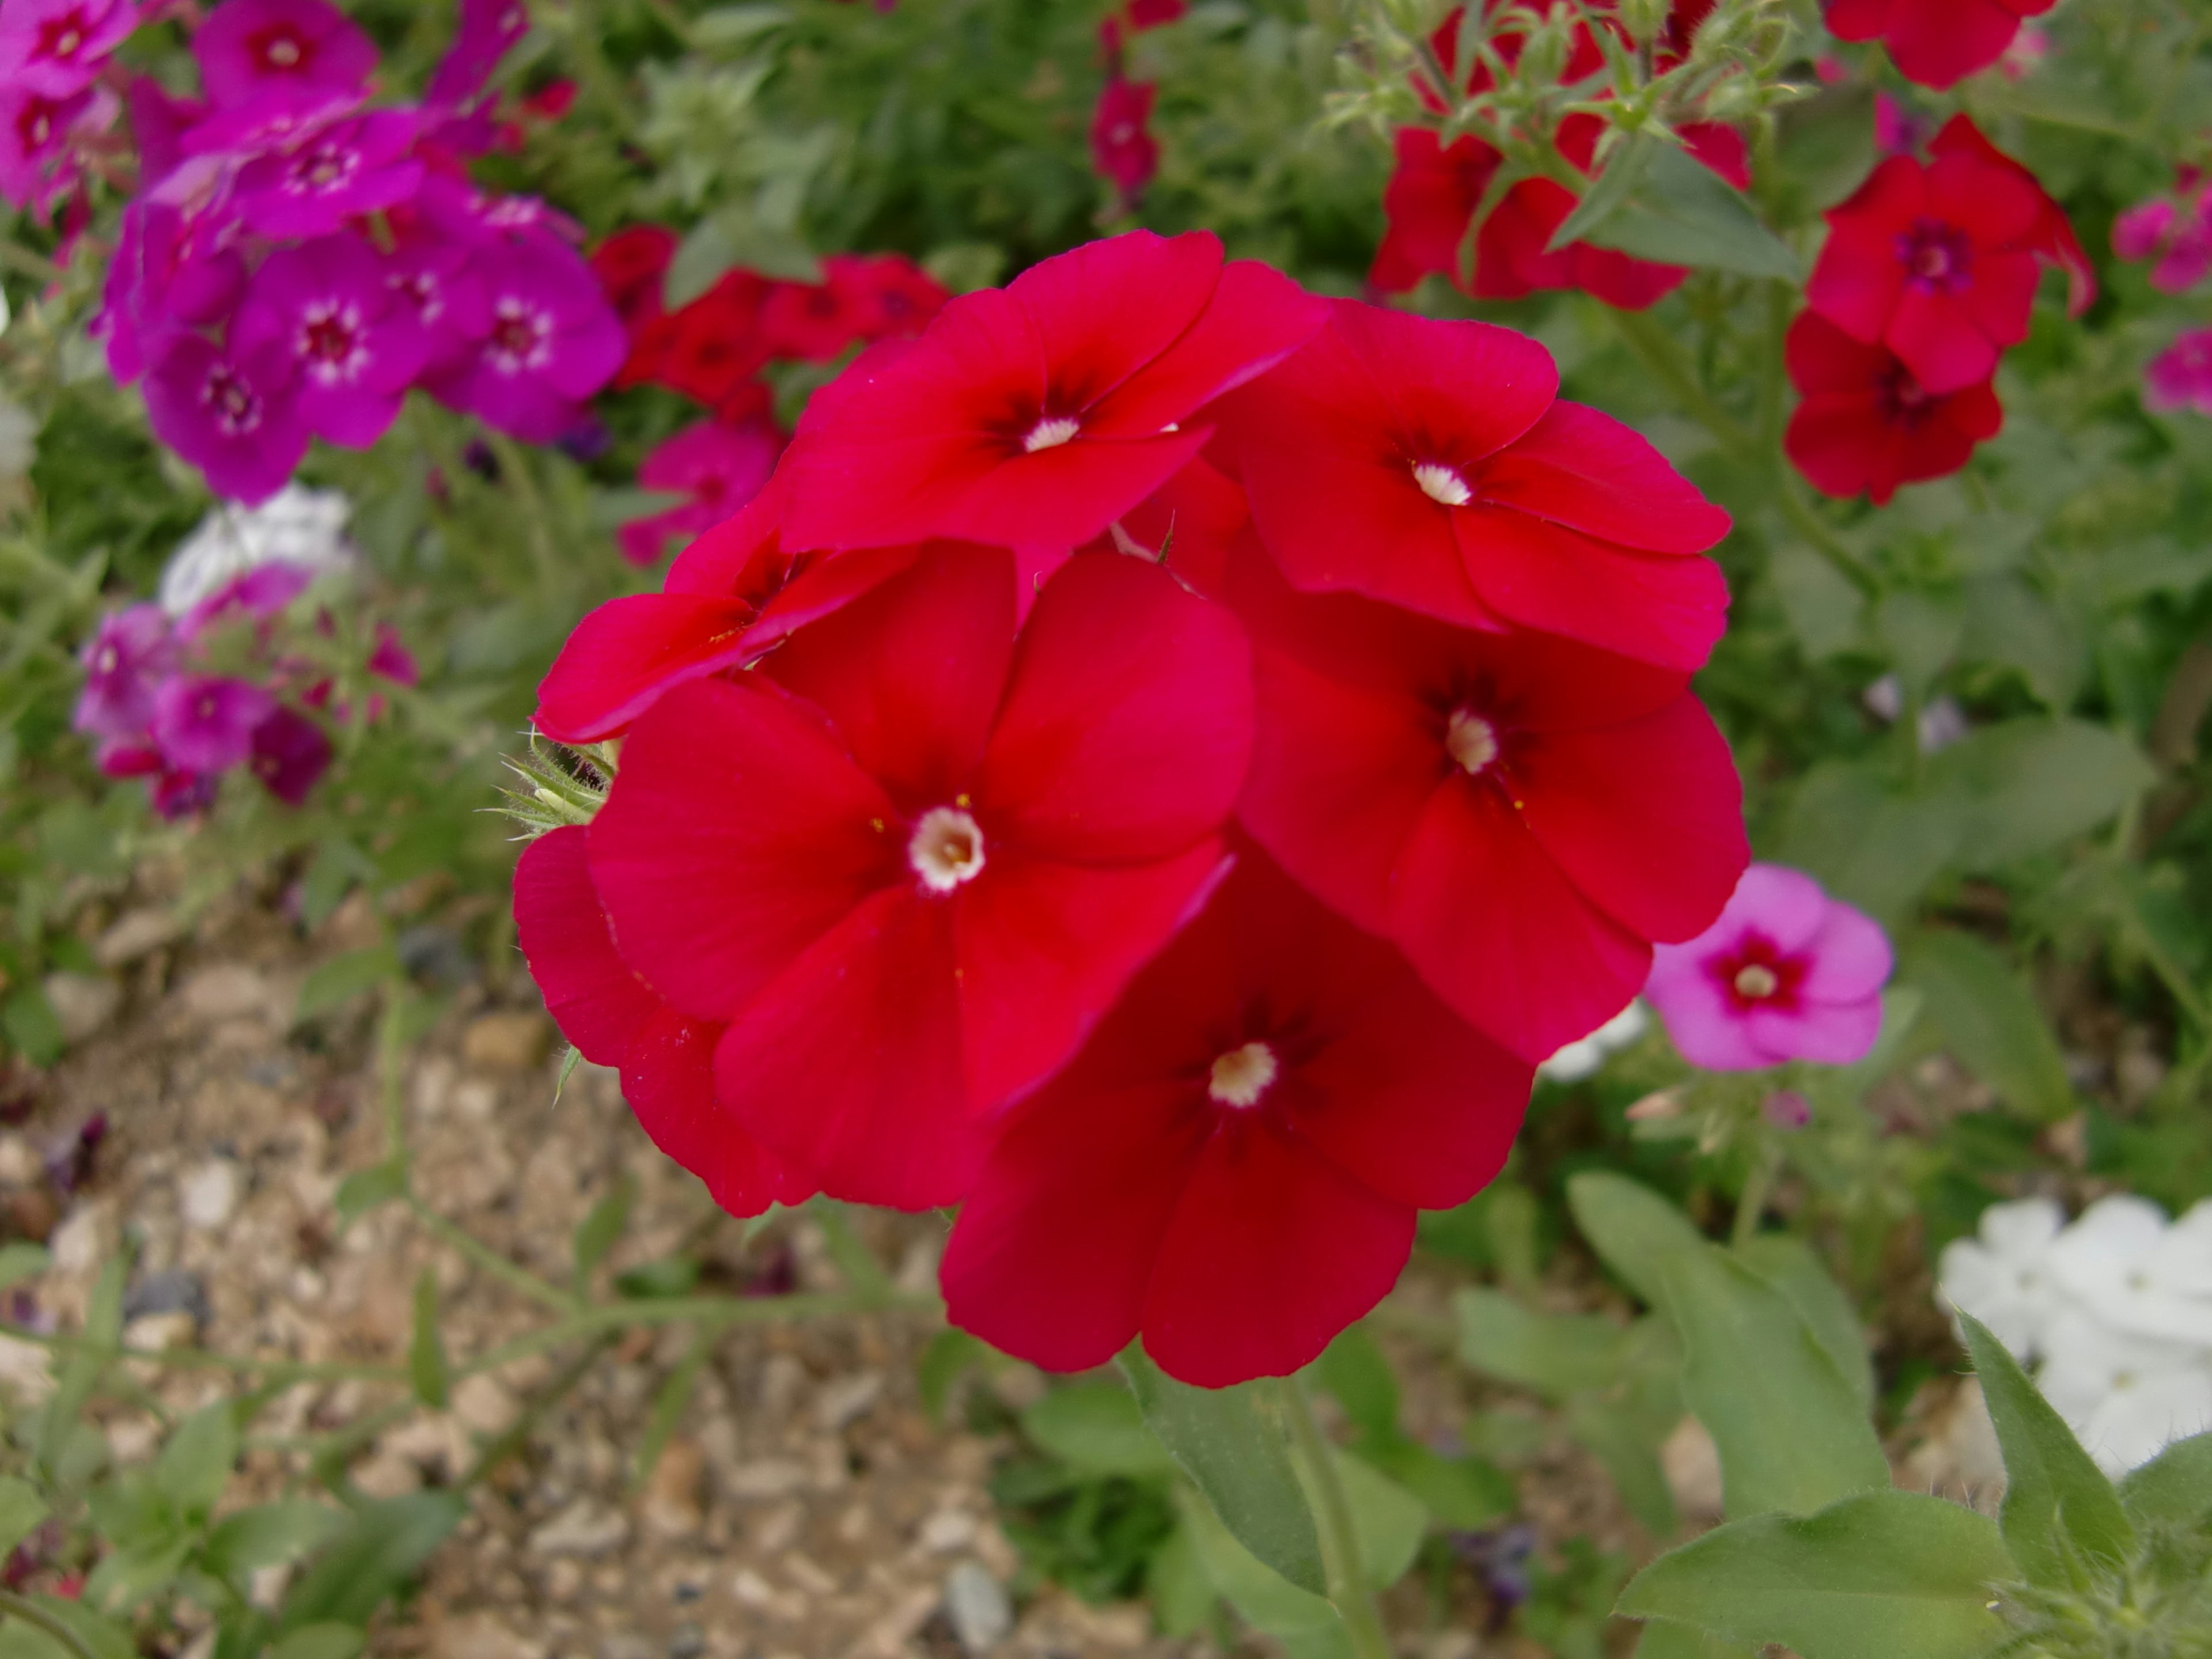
{"points": [[1544, 57], [1644, 19], [1785, 1109], [1653, 1108]]}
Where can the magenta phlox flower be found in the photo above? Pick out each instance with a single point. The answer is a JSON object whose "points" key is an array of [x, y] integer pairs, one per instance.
{"points": [[551, 340], [355, 346], [431, 276], [456, 209], [2180, 377], [205, 722], [124, 661], [341, 172], [1786, 973], [246, 46], [233, 416], [159, 122], [717, 468], [290, 752], [278, 118], [391, 659], [2175, 231], [257, 595], [488, 30], [56, 47], [159, 280], [37, 140]]}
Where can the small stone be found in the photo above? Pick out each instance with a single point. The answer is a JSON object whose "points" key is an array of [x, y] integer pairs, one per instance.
{"points": [[480, 1636], [1693, 1465], [133, 934], [687, 1641], [978, 1608], [160, 1333], [208, 1196], [584, 1528], [19, 1164], [564, 1580], [483, 1403], [82, 1003], [670, 1505], [846, 1398], [506, 1042], [385, 1474], [946, 1531], [225, 990], [767, 1477], [32, 1212], [171, 1291]]}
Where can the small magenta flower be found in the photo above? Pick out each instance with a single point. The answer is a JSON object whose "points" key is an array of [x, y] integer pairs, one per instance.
{"points": [[551, 340], [204, 723], [259, 595], [2173, 231], [1786, 973], [354, 344], [248, 47], [342, 171], [290, 753], [232, 414], [717, 468], [391, 659], [488, 30], [123, 662], [431, 276], [38, 161], [56, 47], [2180, 377]]}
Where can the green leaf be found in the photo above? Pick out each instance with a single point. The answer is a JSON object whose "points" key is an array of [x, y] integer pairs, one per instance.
{"points": [[950, 1353], [668, 1404], [338, 864], [737, 235], [1789, 1264], [2058, 1506], [597, 1233], [2034, 785], [20, 1262], [327, 1641], [1632, 1227], [1624, 170], [196, 1463], [80, 1373], [101, 1636], [344, 977], [569, 1061], [1095, 1427], [29, 1022], [1681, 213], [1239, 1459], [21, 1509], [364, 1189], [1388, 1520], [1353, 1369], [672, 1275], [426, 1352], [1791, 1432], [1302, 1620], [269, 1534], [1887, 1575], [377, 1555], [127, 1575], [1465, 1492], [1177, 1585], [1551, 1354], [2174, 1489], [1663, 1639], [732, 26], [1629, 1448], [1989, 1021]]}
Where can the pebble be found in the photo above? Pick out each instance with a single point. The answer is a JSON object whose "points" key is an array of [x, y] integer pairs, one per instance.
{"points": [[977, 1606], [133, 934], [846, 1398], [1693, 1464], [506, 1042], [19, 1164], [945, 1531], [159, 1333], [670, 1505], [225, 990], [208, 1196], [82, 1003], [483, 1403], [584, 1528], [767, 1477], [481, 1636]]}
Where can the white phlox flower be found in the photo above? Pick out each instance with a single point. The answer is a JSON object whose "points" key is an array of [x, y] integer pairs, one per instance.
{"points": [[2003, 1278], [296, 526], [1585, 1056]]}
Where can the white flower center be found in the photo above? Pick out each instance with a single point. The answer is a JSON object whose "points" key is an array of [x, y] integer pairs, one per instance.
{"points": [[1756, 980], [1051, 433], [1442, 484], [1240, 1077], [947, 849], [1470, 740]]}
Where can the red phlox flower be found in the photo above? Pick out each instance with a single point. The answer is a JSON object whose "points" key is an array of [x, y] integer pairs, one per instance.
{"points": [[2175, 231], [630, 265], [2052, 238], [1865, 425], [1936, 262], [1151, 13], [1124, 153], [1232, 1167], [731, 596], [720, 468], [1520, 814], [1427, 464], [889, 293], [1037, 413], [2180, 377], [551, 102], [814, 322], [614, 1019], [915, 871], [1938, 43], [715, 343]]}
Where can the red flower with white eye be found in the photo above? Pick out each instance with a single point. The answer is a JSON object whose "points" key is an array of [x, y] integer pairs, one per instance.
{"points": [[1520, 814], [1865, 425], [614, 1019], [1036, 415], [1232, 1165], [1935, 261], [911, 860], [1430, 464]]}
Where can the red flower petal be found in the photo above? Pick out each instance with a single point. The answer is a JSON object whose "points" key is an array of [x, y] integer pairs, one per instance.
{"points": [[1645, 818], [1127, 719], [1069, 494], [1588, 471], [1935, 339], [669, 1081], [739, 831], [1106, 311], [1859, 278], [1500, 933], [1257, 318], [849, 1065], [595, 998], [1939, 45], [1430, 203], [629, 652]]}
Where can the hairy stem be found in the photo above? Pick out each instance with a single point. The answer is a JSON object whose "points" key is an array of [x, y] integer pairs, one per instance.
{"points": [[1340, 1541], [13, 1606]]}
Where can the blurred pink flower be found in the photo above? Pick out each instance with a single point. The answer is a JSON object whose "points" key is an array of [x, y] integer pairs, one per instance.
{"points": [[720, 467], [2175, 230], [202, 723], [252, 46], [2180, 377], [1787, 973], [1121, 148], [56, 46]]}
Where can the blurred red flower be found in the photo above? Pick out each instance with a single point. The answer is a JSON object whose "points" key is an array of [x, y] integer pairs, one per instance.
{"points": [[1865, 425], [1938, 43], [1124, 153]]}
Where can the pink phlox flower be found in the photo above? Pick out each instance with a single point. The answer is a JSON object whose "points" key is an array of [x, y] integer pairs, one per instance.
{"points": [[719, 468], [456, 209], [2180, 377], [354, 345], [1121, 148], [159, 123], [1897, 130], [2175, 231], [124, 661], [488, 30], [278, 118], [205, 722], [1786, 973], [156, 282], [232, 414], [246, 46], [432, 279], [56, 47], [39, 139], [290, 753], [257, 595], [391, 659], [344, 170], [551, 340], [178, 793]]}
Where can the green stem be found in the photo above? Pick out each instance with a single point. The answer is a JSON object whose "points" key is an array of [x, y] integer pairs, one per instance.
{"points": [[1751, 1202], [21, 261], [1659, 353], [288, 1370], [1340, 1543], [1807, 523], [717, 1311], [512, 1274], [13, 1606]]}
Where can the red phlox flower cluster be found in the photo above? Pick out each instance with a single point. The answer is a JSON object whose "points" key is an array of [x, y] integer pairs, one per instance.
{"points": [[1435, 188], [1938, 43], [1122, 148], [713, 349], [294, 262], [1159, 761], [1927, 277]]}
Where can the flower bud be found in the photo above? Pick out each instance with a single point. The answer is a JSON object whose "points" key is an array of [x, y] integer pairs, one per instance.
{"points": [[1644, 19], [1785, 1109]]}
